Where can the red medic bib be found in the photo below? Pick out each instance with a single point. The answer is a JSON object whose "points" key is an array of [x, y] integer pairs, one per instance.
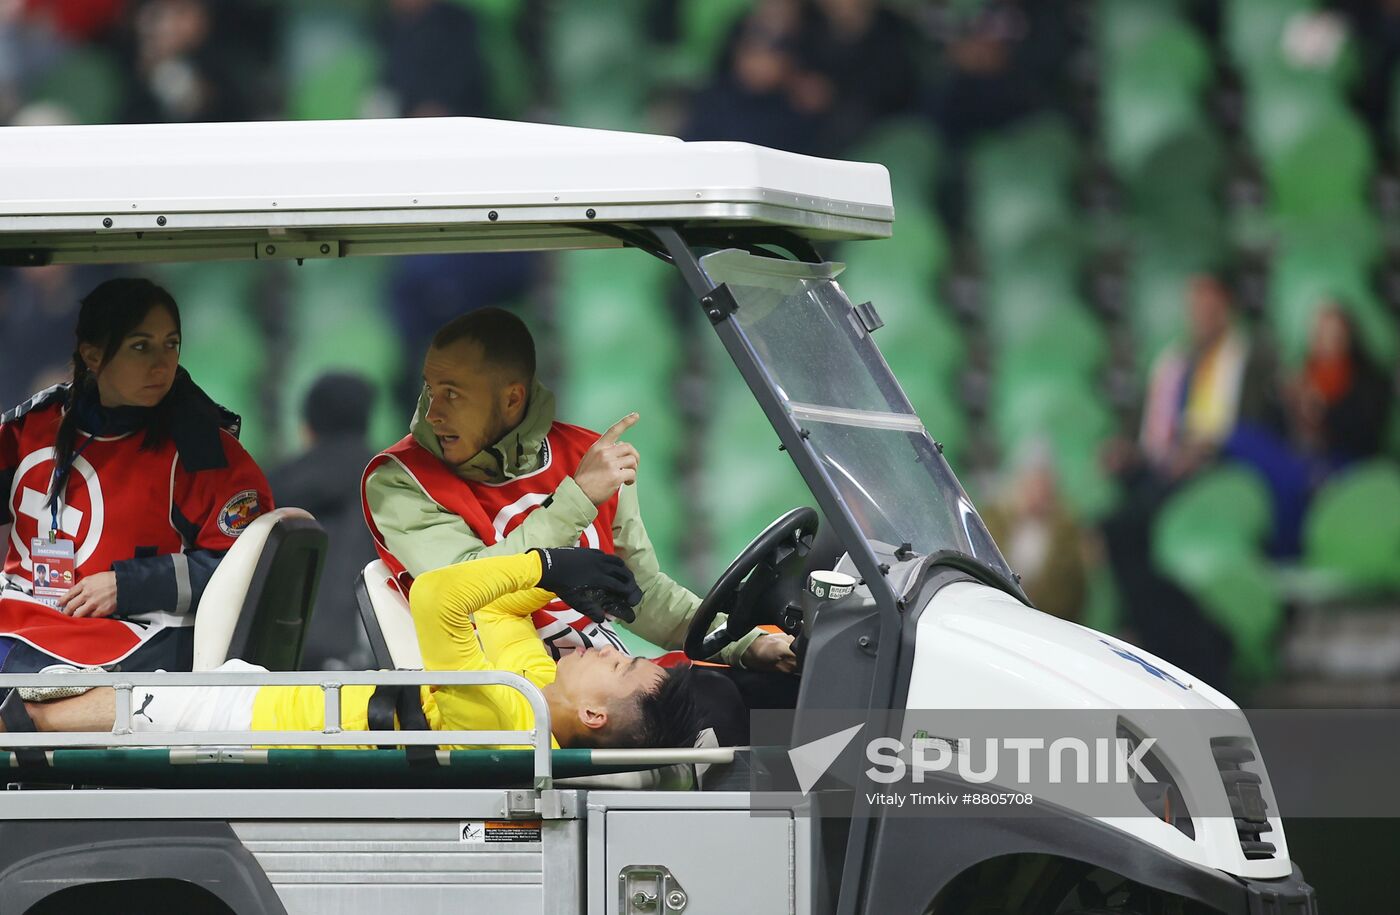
{"points": [[107, 515], [493, 510]]}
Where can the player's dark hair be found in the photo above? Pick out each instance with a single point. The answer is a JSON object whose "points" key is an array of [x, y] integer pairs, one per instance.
{"points": [[666, 715], [110, 312], [504, 338]]}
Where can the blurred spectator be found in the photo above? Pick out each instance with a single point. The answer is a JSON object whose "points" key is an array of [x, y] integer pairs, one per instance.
{"points": [[1203, 398], [1040, 538], [762, 93], [433, 60], [857, 68], [1340, 402], [1199, 394], [1000, 60], [30, 43], [38, 309], [194, 60], [1338, 407], [325, 480], [808, 76]]}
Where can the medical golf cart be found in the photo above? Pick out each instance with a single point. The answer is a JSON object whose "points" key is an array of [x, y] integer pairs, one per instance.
{"points": [[921, 611]]}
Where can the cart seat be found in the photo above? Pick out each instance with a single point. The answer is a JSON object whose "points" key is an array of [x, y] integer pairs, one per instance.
{"points": [[259, 599], [388, 621]]}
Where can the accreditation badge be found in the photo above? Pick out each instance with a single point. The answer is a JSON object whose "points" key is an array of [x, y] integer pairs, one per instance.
{"points": [[55, 569]]}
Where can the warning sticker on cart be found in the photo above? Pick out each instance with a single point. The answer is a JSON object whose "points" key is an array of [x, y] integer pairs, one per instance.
{"points": [[489, 832]]}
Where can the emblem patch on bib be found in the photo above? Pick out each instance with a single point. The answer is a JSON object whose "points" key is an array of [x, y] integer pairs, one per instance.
{"points": [[239, 512]]}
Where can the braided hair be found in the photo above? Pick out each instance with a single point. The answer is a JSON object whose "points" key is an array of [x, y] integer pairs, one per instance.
{"points": [[109, 313]]}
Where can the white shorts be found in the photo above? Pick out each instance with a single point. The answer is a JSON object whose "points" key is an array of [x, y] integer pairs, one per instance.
{"points": [[196, 708]]}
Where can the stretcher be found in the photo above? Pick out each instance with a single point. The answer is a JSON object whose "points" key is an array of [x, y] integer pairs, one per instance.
{"points": [[331, 757]]}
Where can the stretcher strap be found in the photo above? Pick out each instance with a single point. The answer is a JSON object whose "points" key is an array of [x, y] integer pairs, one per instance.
{"points": [[385, 702]]}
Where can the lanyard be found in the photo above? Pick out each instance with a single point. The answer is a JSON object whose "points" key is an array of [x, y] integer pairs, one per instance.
{"points": [[60, 484]]}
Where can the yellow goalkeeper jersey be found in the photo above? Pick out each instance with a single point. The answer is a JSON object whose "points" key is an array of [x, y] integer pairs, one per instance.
{"points": [[500, 593]]}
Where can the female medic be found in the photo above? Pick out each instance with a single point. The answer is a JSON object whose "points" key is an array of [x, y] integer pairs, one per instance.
{"points": [[122, 490]]}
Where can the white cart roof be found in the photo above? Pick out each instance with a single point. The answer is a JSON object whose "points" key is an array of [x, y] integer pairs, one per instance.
{"points": [[335, 188]]}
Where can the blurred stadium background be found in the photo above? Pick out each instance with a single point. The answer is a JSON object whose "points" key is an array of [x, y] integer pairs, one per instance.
{"points": [[1081, 186]]}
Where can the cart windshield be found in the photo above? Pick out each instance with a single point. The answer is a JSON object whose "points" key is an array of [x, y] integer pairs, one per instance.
{"points": [[833, 381]]}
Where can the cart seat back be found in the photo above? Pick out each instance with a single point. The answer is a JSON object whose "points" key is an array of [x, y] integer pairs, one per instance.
{"points": [[388, 621], [258, 601]]}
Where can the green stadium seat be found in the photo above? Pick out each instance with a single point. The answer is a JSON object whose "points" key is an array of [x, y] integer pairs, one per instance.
{"points": [[921, 341], [332, 66], [746, 481], [1283, 109], [922, 337], [614, 305], [1042, 147], [601, 57], [1170, 49], [1066, 412], [87, 83], [912, 152], [1030, 217], [338, 320], [1020, 193], [1325, 170], [620, 351], [1067, 409], [1253, 30], [1155, 132], [1184, 228], [1031, 295], [1352, 531], [1207, 539], [223, 344], [1066, 342], [1192, 523], [1121, 25]]}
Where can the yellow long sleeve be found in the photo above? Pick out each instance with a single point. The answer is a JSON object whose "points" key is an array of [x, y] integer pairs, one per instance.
{"points": [[444, 600], [500, 592]]}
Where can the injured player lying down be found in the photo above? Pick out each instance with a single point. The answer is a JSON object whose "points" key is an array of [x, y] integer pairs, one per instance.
{"points": [[596, 698]]}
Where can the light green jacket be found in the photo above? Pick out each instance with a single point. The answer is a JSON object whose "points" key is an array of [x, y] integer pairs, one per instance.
{"points": [[424, 536]]}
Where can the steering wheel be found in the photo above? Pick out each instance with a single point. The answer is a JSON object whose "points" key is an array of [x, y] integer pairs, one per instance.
{"points": [[767, 574]]}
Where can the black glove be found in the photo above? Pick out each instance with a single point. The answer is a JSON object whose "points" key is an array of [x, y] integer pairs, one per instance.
{"points": [[597, 584]]}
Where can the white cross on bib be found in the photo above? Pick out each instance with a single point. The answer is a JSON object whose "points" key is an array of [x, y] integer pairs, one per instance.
{"points": [[32, 503]]}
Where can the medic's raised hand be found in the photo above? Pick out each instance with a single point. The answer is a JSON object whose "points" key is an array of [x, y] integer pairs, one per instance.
{"points": [[609, 464]]}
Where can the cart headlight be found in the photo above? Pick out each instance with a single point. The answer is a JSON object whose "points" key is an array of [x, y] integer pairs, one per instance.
{"points": [[1162, 798]]}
